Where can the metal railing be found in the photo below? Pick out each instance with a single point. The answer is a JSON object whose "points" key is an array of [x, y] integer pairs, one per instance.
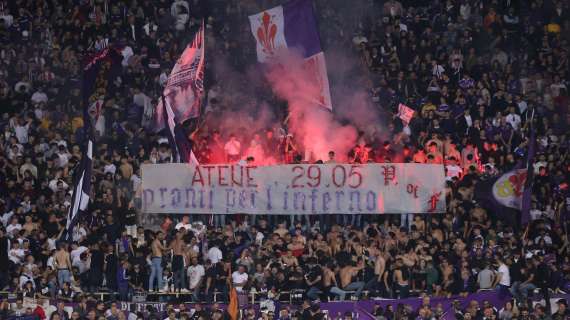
{"points": [[252, 296]]}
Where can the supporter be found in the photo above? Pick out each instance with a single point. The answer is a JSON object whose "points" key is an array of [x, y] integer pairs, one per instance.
{"points": [[239, 278], [485, 278], [156, 262], [478, 74], [562, 311], [196, 274]]}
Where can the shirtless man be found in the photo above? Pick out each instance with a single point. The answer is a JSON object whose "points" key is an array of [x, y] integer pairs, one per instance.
{"points": [[329, 282], [156, 262], [401, 279], [347, 273], [177, 247], [63, 264], [379, 268], [289, 259]]}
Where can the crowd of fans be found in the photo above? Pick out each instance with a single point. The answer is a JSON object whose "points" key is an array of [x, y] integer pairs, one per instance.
{"points": [[478, 74]]}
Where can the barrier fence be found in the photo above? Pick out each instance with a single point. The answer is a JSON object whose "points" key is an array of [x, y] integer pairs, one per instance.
{"points": [[333, 310]]}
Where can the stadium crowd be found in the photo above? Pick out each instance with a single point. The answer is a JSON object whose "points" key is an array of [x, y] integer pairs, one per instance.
{"points": [[476, 72]]}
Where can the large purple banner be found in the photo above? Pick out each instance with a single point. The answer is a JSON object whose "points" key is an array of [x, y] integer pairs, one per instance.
{"points": [[365, 308]]}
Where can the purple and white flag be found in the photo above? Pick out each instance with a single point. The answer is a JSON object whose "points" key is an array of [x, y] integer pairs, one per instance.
{"points": [[293, 25], [99, 72], [184, 87]]}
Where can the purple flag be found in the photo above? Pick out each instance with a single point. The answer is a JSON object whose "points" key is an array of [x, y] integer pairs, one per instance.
{"points": [[301, 27]]}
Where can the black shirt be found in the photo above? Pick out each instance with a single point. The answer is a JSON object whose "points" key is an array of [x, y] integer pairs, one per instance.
{"points": [[560, 315], [515, 272], [112, 231], [541, 275], [130, 217], [97, 260], [3, 253], [313, 273], [217, 273]]}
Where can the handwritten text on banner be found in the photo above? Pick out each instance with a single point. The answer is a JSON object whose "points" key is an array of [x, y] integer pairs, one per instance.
{"points": [[294, 189]]}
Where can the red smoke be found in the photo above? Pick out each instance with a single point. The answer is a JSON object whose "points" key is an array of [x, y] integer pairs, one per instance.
{"points": [[316, 130], [314, 127]]}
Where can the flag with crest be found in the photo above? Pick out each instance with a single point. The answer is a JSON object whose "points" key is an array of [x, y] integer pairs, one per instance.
{"points": [[293, 25], [511, 192]]}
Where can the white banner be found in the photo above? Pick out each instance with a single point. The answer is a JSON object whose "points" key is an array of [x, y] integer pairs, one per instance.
{"points": [[294, 189]]}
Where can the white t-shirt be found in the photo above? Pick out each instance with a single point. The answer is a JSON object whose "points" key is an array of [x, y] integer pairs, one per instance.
{"points": [[514, 120], [538, 165], [198, 228], [547, 239], [51, 262], [16, 255], [22, 133], [127, 53], [38, 97], [11, 227], [8, 19], [195, 274], [63, 159], [76, 254], [505, 275], [535, 214], [110, 168], [215, 255], [53, 185], [259, 238], [5, 218], [24, 279], [137, 181], [233, 148], [100, 125], [239, 278], [522, 106], [79, 233], [183, 225], [453, 170]]}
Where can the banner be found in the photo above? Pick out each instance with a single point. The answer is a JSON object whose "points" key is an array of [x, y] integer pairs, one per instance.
{"points": [[293, 189], [293, 25]]}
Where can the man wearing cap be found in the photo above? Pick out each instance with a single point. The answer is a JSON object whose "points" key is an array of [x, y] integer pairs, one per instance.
{"points": [[562, 312]]}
